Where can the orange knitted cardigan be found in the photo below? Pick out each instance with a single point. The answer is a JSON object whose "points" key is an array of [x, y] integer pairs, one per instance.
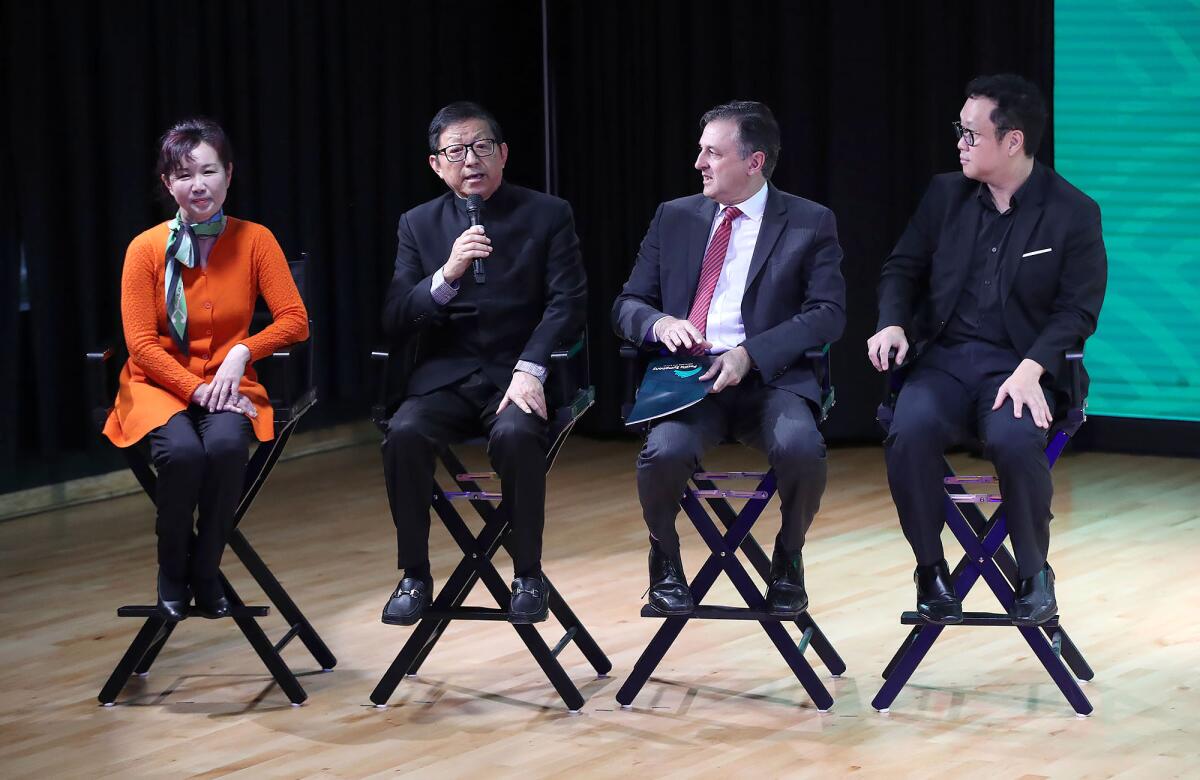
{"points": [[158, 379]]}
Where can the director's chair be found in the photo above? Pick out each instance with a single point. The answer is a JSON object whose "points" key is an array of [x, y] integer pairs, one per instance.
{"points": [[569, 395], [985, 555], [723, 547], [287, 375]]}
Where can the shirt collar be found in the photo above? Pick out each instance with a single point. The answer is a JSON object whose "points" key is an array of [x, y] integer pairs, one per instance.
{"points": [[1028, 189], [753, 207]]}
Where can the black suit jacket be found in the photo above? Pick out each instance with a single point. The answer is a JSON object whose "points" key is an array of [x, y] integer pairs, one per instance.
{"points": [[1050, 299], [795, 297], [533, 300]]}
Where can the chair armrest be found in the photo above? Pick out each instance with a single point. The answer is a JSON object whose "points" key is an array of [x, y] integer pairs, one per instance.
{"points": [[288, 376], [634, 358], [98, 366], [1077, 402], [568, 351], [821, 363], [570, 373], [378, 376]]}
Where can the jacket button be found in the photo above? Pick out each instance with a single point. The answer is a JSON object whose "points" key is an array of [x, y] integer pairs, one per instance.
{"points": [[208, 304], [204, 356]]}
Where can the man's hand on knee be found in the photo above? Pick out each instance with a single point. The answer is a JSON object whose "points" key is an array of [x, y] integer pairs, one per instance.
{"points": [[1025, 389], [883, 342], [526, 392]]}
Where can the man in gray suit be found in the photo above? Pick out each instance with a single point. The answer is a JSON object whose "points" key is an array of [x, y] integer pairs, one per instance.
{"points": [[750, 276]]}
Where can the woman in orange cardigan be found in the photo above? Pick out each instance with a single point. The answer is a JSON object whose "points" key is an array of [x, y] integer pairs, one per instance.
{"points": [[188, 292]]}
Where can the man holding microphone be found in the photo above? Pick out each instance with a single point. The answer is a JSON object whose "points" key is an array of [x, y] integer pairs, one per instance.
{"points": [[490, 279]]}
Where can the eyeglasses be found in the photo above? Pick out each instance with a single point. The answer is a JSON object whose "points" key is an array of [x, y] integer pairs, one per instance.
{"points": [[972, 136], [484, 147]]}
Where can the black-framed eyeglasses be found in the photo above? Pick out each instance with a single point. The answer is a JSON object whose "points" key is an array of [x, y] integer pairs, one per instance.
{"points": [[484, 147], [972, 136]]}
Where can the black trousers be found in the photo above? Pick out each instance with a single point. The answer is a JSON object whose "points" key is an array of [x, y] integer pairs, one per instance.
{"points": [[200, 458], [949, 394], [516, 445], [774, 421]]}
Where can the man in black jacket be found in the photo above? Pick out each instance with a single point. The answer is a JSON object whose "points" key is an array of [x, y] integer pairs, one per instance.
{"points": [[751, 276], [1001, 271], [483, 349]]}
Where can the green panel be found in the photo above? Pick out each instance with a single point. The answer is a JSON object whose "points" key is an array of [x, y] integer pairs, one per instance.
{"points": [[1127, 132]]}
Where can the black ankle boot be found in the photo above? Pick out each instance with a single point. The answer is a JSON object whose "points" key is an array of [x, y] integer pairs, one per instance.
{"points": [[1035, 602], [669, 592], [786, 596], [936, 600]]}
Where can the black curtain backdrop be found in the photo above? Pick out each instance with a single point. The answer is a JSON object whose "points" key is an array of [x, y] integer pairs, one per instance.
{"points": [[864, 94], [327, 104]]}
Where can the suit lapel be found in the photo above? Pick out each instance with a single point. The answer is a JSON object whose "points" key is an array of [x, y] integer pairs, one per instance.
{"points": [[1025, 220], [774, 220], [697, 244], [960, 252]]}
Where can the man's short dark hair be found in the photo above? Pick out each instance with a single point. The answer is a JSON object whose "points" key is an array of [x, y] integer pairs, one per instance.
{"points": [[461, 111], [757, 130], [1019, 106]]}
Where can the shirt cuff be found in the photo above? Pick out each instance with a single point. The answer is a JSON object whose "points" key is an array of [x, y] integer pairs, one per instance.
{"points": [[538, 371], [649, 338], [442, 291]]}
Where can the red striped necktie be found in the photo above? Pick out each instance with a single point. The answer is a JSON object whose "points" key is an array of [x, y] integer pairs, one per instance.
{"points": [[710, 269]]}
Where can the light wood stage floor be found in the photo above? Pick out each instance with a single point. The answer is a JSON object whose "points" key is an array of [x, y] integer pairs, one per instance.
{"points": [[722, 703]]}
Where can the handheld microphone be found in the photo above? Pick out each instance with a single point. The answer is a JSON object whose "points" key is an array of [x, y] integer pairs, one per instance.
{"points": [[474, 206]]}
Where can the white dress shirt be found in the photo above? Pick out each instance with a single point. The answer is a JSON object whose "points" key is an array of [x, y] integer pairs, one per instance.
{"points": [[725, 329]]}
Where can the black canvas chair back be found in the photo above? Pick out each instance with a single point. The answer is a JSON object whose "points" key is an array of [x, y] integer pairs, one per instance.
{"points": [[724, 542], [986, 556], [288, 377], [569, 394]]}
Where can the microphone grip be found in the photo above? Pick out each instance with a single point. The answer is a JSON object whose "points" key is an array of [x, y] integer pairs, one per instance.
{"points": [[477, 264]]}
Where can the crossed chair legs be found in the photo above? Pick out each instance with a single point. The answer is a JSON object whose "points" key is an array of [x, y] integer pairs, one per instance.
{"points": [[476, 566]]}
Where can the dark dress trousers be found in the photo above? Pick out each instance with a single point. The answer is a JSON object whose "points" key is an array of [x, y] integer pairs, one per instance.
{"points": [[533, 300], [976, 293], [200, 458], [794, 300]]}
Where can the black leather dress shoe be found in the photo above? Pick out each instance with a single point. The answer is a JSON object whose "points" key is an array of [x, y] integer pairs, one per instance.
{"points": [[936, 599], [407, 605], [669, 592], [530, 602], [785, 590], [173, 600], [1035, 602], [211, 602]]}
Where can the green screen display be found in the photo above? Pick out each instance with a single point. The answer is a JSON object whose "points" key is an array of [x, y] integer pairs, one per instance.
{"points": [[1127, 132]]}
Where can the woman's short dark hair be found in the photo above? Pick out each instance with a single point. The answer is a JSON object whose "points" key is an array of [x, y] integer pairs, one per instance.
{"points": [[461, 111], [1019, 106], [757, 130], [183, 138]]}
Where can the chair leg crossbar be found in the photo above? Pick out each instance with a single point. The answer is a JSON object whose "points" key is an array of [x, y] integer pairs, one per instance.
{"points": [[986, 556], [476, 566], [155, 631], [723, 557]]}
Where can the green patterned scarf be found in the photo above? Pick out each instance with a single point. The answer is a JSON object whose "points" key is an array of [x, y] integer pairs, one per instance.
{"points": [[181, 251]]}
